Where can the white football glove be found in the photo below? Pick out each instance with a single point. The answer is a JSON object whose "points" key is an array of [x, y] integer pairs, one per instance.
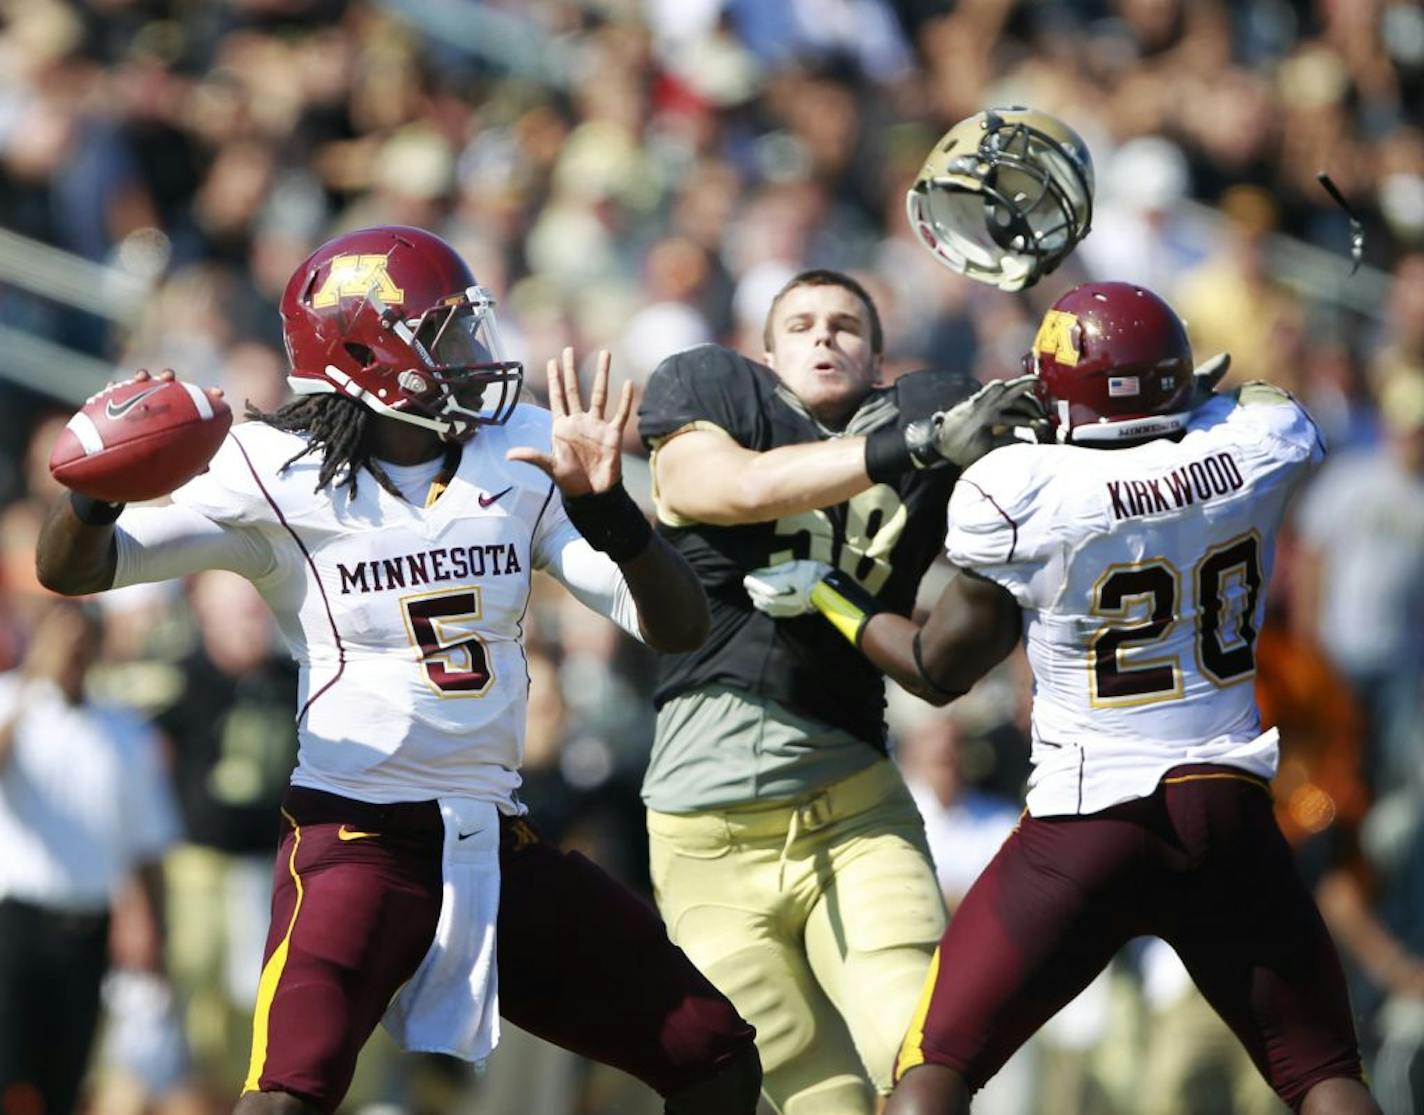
{"points": [[783, 591]]}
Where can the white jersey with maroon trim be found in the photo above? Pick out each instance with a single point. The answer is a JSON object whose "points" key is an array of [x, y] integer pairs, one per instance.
{"points": [[406, 621], [1141, 573]]}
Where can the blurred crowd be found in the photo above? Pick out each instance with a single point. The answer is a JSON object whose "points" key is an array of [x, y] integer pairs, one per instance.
{"points": [[643, 175]]}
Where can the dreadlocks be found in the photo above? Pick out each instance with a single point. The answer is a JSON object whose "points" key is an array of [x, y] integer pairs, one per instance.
{"points": [[335, 425]]}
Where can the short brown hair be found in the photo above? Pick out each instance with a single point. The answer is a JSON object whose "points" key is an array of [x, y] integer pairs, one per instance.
{"points": [[824, 277]]}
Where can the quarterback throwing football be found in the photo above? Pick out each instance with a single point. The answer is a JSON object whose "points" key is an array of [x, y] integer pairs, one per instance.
{"points": [[392, 516]]}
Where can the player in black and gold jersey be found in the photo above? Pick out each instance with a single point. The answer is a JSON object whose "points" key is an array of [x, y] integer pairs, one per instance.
{"points": [[788, 858]]}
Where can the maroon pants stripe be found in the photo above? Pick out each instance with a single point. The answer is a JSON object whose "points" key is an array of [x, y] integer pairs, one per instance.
{"points": [[1201, 864]]}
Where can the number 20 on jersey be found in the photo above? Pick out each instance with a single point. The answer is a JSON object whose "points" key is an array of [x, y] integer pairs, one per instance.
{"points": [[1227, 583]]}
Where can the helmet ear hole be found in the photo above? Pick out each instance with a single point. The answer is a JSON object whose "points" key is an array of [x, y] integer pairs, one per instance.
{"points": [[360, 353]]}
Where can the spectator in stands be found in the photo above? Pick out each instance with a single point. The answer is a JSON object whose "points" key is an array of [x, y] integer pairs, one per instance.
{"points": [[1232, 301], [1360, 581], [1402, 346], [84, 805]]}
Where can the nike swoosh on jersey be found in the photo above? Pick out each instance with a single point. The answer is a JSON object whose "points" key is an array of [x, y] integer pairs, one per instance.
{"points": [[487, 501], [345, 833], [127, 405], [467, 835]]}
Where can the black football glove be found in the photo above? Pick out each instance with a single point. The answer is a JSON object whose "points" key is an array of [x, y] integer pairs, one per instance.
{"points": [[1206, 375]]}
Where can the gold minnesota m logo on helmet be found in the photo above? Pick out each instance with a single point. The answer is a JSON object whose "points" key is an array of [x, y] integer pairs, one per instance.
{"points": [[1055, 337], [355, 276]]}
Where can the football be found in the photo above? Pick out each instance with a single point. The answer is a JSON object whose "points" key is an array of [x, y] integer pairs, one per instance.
{"points": [[139, 440]]}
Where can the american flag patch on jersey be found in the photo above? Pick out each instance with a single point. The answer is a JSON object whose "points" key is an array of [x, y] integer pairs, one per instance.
{"points": [[1123, 385]]}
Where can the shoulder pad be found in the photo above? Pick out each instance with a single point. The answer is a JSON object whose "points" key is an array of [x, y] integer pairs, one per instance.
{"points": [[992, 503], [530, 425], [245, 474], [706, 383], [707, 362], [1257, 392], [1268, 410]]}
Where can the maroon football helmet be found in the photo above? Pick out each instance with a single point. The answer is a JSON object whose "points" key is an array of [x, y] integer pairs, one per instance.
{"points": [[392, 317], [1114, 365]]}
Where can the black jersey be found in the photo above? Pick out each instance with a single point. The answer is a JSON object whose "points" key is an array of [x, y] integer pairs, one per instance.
{"points": [[884, 537]]}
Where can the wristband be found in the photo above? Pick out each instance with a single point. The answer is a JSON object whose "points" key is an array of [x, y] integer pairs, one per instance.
{"points": [[611, 522], [842, 601], [94, 512], [893, 450], [886, 455]]}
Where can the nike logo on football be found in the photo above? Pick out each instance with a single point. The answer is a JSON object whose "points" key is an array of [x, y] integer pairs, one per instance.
{"points": [[112, 411], [345, 833], [476, 832], [487, 501]]}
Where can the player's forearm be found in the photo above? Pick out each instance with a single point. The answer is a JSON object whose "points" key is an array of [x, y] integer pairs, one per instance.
{"points": [[972, 628], [75, 558], [753, 487], [888, 640], [672, 607]]}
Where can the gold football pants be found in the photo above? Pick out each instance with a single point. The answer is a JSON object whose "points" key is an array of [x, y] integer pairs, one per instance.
{"points": [[817, 918]]}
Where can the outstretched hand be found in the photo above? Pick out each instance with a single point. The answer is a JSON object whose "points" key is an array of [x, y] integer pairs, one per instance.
{"points": [[586, 454], [987, 419]]}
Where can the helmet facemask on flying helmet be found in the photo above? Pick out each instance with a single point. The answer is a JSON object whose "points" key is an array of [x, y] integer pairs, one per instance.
{"points": [[393, 318], [1004, 197]]}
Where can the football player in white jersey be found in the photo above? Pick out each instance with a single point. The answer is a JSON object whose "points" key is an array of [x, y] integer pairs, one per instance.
{"points": [[1135, 578], [392, 516]]}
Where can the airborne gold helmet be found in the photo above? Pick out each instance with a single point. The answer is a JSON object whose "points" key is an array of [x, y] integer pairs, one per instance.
{"points": [[1004, 196]]}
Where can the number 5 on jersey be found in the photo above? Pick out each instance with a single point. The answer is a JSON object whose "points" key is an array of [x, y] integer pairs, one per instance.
{"points": [[452, 655], [1227, 582]]}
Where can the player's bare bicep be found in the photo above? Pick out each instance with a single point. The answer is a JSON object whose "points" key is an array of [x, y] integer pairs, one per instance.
{"points": [[971, 630], [695, 472]]}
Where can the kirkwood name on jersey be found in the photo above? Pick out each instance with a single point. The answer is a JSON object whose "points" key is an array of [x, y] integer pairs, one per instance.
{"points": [[1197, 482]]}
